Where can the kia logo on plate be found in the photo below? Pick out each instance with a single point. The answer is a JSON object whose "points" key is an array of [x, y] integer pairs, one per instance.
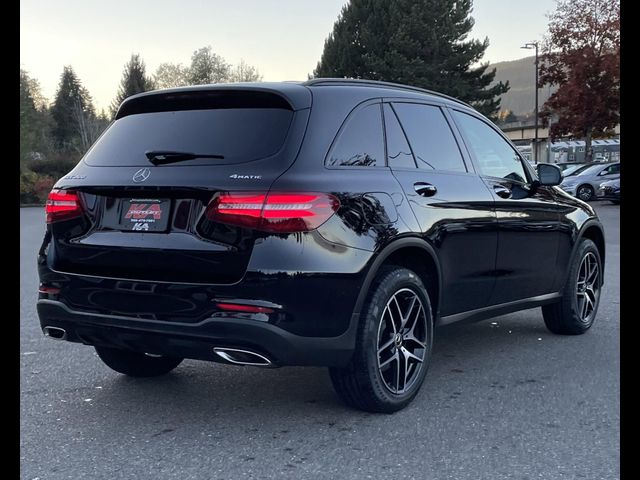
{"points": [[141, 175]]}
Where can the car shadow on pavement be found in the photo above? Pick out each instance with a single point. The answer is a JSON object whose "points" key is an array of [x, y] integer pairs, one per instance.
{"points": [[197, 393]]}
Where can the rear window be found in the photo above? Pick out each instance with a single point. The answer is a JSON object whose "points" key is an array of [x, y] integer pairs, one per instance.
{"points": [[239, 134]]}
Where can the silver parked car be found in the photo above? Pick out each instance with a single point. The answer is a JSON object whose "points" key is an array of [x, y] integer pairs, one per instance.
{"points": [[585, 183]]}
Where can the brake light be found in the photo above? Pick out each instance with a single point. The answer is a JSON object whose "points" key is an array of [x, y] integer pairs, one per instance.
{"points": [[62, 205], [279, 212]]}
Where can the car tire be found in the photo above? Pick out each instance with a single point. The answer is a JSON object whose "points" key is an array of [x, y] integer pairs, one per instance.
{"points": [[585, 192], [135, 364], [387, 370], [575, 313]]}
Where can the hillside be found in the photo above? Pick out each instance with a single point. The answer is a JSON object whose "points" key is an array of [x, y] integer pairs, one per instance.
{"points": [[520, 98]]}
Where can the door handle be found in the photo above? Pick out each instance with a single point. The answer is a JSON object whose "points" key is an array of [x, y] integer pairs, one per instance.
{"points": [[425, 189], [502, 191]]}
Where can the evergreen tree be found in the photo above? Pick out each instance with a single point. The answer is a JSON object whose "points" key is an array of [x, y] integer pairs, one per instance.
{"points": [[34, 119], [416, 42], [28, 115], [134, 80], [71, 111]]}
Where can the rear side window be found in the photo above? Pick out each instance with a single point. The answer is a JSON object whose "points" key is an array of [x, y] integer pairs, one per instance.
{"points": [[430, 136], [239, 134], [361, 142], [398, 151]]}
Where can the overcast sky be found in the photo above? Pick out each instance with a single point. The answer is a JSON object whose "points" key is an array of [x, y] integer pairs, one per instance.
{"points": [[283, 38]]}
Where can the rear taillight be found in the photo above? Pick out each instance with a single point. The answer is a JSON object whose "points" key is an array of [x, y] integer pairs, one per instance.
{"points": [[278, 212], [62, 205]]}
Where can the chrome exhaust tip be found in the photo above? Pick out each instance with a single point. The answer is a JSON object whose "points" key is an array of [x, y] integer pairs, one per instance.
{"points": [[243, 357], [55, 333]]}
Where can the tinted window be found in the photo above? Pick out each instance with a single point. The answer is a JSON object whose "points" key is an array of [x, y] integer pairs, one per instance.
{"points": [[430, 137], [495, 157], [240, 134], [361, 142], [398, 151]]}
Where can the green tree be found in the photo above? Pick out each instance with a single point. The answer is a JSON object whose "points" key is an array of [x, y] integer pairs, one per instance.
{"points": [[208, 67], [35, 124], [29, 118], [72, 112], [581, 56], [416, 42], [169, 75], [134, 80]]}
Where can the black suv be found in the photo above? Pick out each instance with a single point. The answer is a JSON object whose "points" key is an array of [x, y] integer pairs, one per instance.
{"points": [[331, 223]]}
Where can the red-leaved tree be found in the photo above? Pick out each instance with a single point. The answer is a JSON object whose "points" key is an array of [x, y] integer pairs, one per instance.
{"points": [[581, 55]]}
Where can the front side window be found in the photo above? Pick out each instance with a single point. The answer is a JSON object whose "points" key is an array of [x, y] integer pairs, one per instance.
{"points": [[495, 157], [361, 142], [430, 136], [613, 169]]}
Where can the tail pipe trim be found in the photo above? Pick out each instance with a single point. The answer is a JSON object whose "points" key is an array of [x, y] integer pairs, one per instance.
{"points": [[55, 332], [243, 357]]}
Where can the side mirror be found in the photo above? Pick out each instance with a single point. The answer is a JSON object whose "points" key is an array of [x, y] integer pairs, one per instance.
{"points": [[549, 174]]}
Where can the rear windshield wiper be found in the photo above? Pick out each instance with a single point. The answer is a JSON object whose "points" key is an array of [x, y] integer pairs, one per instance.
{"points": [[162, 157]]}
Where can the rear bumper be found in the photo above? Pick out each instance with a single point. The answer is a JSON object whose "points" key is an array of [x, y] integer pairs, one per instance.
{"points": [[197, 340], [310, 286]]}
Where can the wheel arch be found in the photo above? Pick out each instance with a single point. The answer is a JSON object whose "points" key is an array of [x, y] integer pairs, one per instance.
{"points": [[403, 252], [591, 229]]}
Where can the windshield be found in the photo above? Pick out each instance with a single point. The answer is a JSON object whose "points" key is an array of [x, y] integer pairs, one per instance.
{"points": [[236, 134], [572, 169], [588, 170]]}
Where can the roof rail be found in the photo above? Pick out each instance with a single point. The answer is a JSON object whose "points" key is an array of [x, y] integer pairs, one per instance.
{"points": [[378, 83]]}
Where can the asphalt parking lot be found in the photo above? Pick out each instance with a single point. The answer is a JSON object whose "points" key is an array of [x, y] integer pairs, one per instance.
{"points": [[503, 399]]}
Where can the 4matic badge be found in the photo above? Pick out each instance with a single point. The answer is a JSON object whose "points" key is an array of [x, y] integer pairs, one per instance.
{"points": [[245, 177]]}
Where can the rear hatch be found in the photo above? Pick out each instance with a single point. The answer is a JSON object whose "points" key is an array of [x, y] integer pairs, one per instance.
{"points": [[145, 185]]}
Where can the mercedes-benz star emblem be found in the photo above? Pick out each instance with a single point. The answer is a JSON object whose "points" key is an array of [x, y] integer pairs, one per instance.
{"points": [[141, 175]]}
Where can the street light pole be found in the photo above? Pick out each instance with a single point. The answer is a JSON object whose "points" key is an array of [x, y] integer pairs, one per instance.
{"points": [[529, 46]]}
